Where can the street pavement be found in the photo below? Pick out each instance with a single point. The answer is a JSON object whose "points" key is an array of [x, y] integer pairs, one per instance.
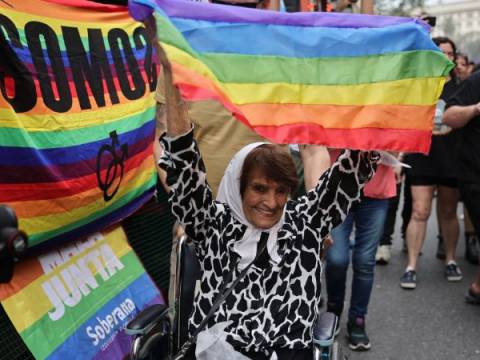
{"points": [[432, 322]]}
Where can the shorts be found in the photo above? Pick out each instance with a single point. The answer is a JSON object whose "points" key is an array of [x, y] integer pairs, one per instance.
{"points": [[433, 180]]}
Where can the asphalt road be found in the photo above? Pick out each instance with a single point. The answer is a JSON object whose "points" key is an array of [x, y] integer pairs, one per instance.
{"points": [[432, 322]]}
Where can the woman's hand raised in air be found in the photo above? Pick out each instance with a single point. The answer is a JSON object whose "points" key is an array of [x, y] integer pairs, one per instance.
{"points": [[178, 122]]}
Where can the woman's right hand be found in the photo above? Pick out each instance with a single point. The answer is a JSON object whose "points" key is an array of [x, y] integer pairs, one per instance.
{"points": [[152, 34]]}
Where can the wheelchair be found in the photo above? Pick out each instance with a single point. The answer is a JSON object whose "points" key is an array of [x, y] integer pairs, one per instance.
{"points": [[156, 333]]}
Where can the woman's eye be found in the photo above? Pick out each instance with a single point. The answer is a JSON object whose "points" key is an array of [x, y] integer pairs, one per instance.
{"points": [[259, 188]]}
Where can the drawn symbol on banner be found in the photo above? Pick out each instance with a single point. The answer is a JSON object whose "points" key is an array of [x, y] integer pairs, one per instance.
{"points": [[108, 181]]}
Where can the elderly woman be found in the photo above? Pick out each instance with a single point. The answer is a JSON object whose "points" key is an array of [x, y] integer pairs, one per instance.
{"points": [[270, 313]]}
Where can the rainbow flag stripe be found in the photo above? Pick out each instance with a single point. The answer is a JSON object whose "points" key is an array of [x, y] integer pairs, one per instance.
{"points": [[72, 302], [76, 116], [343, 80]]}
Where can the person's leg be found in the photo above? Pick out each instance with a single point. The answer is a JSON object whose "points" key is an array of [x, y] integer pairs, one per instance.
{"points": [[471, 198], [369, 219], [416, 230], [386, 238], [447, 201], [338, 259], [383, 252], [407, 205], [471, 239]]}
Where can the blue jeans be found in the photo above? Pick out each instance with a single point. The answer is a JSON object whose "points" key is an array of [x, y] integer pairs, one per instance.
{"points": [[369, 218]]}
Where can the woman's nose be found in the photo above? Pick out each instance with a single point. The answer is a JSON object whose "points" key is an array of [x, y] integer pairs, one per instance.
{"points": [[270, 199]]}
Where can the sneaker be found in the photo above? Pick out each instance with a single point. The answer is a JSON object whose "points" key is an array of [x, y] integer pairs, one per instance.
{"points": [[357, 336], [409, 280], [383, 255], [471, 249], [472, 297], [452, 272], [440, 248]]}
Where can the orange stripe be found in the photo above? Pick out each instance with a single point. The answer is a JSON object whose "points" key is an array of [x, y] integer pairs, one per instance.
{"points": [[41, 109], [381, 116], [47, 9], [407, 117], [19, 282], [31, 209]]}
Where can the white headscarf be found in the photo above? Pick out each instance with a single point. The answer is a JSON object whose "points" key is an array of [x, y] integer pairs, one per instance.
{"points": [[229, 193]]}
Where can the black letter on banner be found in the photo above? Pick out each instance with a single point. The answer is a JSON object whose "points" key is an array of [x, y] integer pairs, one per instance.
{"points": [[114, 37], [35, 32], [150, 66], [11, 66], [89, 69]]}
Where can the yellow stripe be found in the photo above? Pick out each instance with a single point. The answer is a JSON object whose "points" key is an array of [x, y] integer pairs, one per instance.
{"points": [[34, 310], [20, 19], [70, 121], [399, 92], [50, 222]]}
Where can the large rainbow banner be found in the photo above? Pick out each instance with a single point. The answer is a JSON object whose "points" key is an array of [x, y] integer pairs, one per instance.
{"points": [[343, 80], [76, 115], [73, 302]]}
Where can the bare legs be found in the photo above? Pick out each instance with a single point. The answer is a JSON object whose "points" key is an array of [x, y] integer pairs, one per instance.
{"points": [[421, 207], [447, 200]]}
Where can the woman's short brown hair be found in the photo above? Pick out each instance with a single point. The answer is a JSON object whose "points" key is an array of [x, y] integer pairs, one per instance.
{"points": [[274, 161]]}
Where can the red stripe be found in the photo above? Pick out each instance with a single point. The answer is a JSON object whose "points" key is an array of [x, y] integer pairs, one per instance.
{"points": [[19, 192], [362, 139]]}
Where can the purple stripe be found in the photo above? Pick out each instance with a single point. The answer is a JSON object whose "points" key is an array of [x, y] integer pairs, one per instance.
{"points": [[234, 14], [123, 340], [12, 174]]}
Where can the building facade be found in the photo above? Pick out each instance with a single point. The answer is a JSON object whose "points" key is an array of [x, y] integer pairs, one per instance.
{"points": [[460, 21]]}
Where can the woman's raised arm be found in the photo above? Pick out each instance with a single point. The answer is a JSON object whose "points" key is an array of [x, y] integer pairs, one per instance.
{"points": [[338, 188], [190, 196]]}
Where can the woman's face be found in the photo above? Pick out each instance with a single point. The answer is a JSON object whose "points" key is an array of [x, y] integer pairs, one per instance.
{"points": [[462, 68], [447, 49], [263, 200]]}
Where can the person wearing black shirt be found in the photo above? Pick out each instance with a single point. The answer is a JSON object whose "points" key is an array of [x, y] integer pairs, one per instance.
{"points": [[463, 111], [430, 174]]}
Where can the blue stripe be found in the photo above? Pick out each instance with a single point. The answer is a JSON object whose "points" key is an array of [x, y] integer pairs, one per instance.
{"points": [[141, 292], [301, 41], [69, 155]]}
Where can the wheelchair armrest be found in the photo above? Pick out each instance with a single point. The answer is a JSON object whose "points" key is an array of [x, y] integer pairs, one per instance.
{"points": [[146, 319], [324, 329]]}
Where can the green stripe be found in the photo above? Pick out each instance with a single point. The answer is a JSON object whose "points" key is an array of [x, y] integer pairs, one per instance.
{"points": [[247, 69], [36, 239], [169, 34], [44, 335], [66, 138]]}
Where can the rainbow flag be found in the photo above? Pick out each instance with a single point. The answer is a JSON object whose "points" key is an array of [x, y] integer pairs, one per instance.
{"points": [[343, 80], [76, 116], [73, 302]]}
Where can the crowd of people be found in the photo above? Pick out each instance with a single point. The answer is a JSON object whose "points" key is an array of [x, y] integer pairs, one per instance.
{"points": [[264, 221]]}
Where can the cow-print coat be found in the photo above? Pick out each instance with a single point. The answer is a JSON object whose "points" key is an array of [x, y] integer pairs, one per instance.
{"points": [[272, 307]]}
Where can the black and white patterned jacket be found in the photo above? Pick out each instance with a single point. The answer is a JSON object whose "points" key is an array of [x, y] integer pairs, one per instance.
{"points": [[276, 306]]}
